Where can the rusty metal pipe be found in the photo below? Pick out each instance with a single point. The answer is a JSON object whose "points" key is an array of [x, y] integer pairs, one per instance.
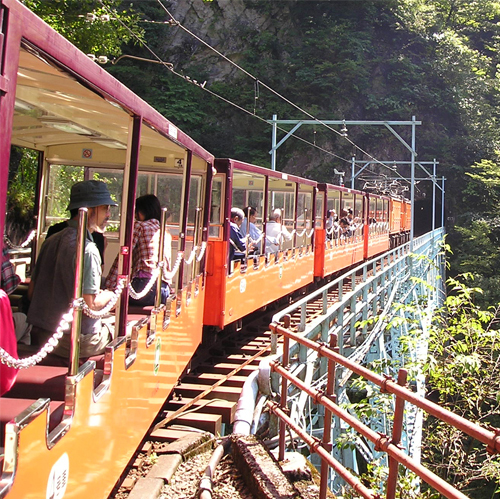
{"points": [[315, 445], [382, 443], [397, 430], [490, 438]]}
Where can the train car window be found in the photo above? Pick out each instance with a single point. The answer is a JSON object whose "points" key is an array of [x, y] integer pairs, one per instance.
{"points": [[373, 210], [358, 208], [60, 179], [380, 213], [348, 201], [193, 233], [217, 208], [248, 191], [318, 217], [334, 201], [239, 198], [304, 216], [282, 196]]}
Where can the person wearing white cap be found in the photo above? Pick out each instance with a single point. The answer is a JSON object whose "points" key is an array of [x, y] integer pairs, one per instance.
{"points": [[52, 282]]}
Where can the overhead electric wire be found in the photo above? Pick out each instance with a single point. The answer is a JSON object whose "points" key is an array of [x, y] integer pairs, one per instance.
{"points": [[170, 67], [177, 23]]}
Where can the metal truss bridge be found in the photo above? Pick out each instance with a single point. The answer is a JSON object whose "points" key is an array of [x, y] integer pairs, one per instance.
{"points": [[374, 332]]}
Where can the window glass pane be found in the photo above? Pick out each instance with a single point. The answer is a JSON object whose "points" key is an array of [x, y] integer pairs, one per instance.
{"points": [[319, 210], [358, 211], [217, 209], [60, 180], [114, 182], [239, 198], [347, 201]]}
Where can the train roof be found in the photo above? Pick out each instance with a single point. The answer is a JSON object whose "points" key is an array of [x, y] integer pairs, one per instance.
{"points": [[255, 169], [47, 95]]}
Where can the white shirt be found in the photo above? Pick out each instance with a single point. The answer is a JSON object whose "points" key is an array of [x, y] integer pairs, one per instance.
{"points": [[275, 233]]}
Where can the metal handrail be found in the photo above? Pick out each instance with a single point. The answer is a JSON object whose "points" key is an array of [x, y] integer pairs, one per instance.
{"points": [[391, 446]]}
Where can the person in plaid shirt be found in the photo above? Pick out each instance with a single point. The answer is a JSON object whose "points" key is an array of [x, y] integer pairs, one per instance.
{"points": [[10, 280], [145, 251]]}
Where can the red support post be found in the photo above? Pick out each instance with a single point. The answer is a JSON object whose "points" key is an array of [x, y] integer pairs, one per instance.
{"points": [[284, 390], [327, 429], [397, 430]]}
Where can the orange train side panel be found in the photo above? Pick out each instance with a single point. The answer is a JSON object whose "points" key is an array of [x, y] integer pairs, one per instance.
{"points": [[215, 282], [250, 290], [395, 216], [377, 243], [105, 433], [343, 255], [319, 252]]}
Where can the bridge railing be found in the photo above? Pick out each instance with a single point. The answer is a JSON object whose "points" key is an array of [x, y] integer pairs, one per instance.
{"points": [[326, 398], [371, 311]]}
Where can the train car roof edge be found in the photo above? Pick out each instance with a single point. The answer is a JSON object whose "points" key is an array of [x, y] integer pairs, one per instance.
{"points": [[249, 167], [40, 34]]}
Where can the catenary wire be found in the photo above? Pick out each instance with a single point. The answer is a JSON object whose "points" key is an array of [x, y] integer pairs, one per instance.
{"points": [[177, 23], [170, 67]]}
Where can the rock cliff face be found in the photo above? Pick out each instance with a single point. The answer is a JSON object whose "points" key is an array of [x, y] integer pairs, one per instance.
{"points": [[226, 25]]}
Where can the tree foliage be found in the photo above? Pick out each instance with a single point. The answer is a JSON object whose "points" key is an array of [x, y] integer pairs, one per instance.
{"points": [[437, 60], [463, 371], [113, 24]]}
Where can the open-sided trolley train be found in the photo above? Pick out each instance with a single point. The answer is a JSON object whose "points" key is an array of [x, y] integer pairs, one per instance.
{"points": [[70, 430]]}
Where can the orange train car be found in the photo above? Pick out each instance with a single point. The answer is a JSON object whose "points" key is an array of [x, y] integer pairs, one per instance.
{"points": [[238, 288], [70, 431], [399, 221]]}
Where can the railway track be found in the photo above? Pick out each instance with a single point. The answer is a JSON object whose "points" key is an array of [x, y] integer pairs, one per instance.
{"points": [[205, 398]]}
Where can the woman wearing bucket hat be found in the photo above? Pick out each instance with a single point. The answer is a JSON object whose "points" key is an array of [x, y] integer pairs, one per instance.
{"points": [[52, 282]]}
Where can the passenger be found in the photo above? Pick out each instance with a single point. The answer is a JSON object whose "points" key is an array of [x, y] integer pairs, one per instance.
{"points": [[254, 232], [275, 232], [349, 216], [345, 228], [331, 223], [237, 245], [7, 343], [98, 237], [145, 252], [9, 283], [9, 279], [52, 283]]}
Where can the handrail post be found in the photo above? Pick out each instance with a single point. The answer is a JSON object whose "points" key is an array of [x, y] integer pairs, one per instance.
{"points": [[196, 238], [77, 291], [284, 389], [161, 256], [397, 430], [327, 426]]}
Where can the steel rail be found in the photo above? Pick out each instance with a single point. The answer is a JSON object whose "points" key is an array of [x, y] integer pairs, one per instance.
{"points": [[174, 415]]}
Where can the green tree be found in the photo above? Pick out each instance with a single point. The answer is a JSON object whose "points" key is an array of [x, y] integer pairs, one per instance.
{"points": [[463, 373], [99, 28]]}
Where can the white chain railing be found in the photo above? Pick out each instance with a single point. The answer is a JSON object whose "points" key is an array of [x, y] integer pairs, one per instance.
{"points": [[28, 240], [192, 256], [105, 310], [139, 295], [202, 251], [50, 345], [173, 272]]}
